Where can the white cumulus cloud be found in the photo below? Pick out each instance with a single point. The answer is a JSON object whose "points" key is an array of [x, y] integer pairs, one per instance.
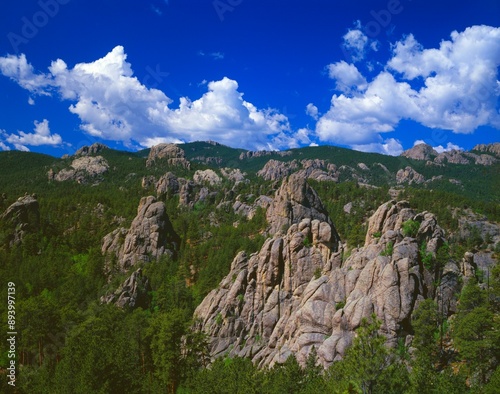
{"points": [[19, 70], [454, 87], [347, 77], [355, 43], [3, 146], [113, 104], [41, 136], [312, 111]]}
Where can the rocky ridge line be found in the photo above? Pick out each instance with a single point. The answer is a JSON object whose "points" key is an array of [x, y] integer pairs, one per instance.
{"points": [[426, 152]]}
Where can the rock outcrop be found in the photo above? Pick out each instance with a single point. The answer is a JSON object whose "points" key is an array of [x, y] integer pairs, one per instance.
{"points": [[91, 150], [295, 200], [83, 169], [23, 217], [170, 185], [409, 176], [171, 153], [315, 169], [493, 149], [454, 156], [275, 170], [233, 174], [420, 152], [318, 170], [249, 211], [150, 236], [299, 291], [261, 153], [363, 167], [258, 297], [210, 177], [132, 293]]}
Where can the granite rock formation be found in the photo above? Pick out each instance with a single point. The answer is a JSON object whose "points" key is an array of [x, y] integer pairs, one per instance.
{"points": [[132, 293], [23, 217], [150, 236], [420, 152], [82, 170], [488, 157], [91, 150], [300, 290], [170, 153], [210, 177], [409, 176]]}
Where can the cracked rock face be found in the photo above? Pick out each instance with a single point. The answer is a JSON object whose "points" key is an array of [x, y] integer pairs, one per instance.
{"points": [[295, 200], [254, 304], [298, 291], [149, 237], [24, 216]]}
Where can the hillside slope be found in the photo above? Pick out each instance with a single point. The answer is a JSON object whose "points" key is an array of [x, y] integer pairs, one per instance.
{"points": [[181, 255]]}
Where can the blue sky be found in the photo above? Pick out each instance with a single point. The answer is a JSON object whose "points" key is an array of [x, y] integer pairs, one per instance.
{"points": [[257, 74]]}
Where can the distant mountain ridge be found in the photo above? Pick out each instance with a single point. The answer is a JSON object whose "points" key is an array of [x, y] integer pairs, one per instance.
{"points": [[486, 154], [432, 170]]}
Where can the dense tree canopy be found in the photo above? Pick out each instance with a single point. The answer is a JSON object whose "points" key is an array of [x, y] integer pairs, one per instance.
{"points": [[68, 342]]}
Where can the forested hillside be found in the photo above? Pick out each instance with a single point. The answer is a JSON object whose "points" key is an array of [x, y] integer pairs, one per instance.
{"points": [[134, 271]]}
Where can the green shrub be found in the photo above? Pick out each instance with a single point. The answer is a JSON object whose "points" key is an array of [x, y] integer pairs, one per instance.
{"points": [[389, 249], [410, 228], [427, 257], [306, 242]]}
